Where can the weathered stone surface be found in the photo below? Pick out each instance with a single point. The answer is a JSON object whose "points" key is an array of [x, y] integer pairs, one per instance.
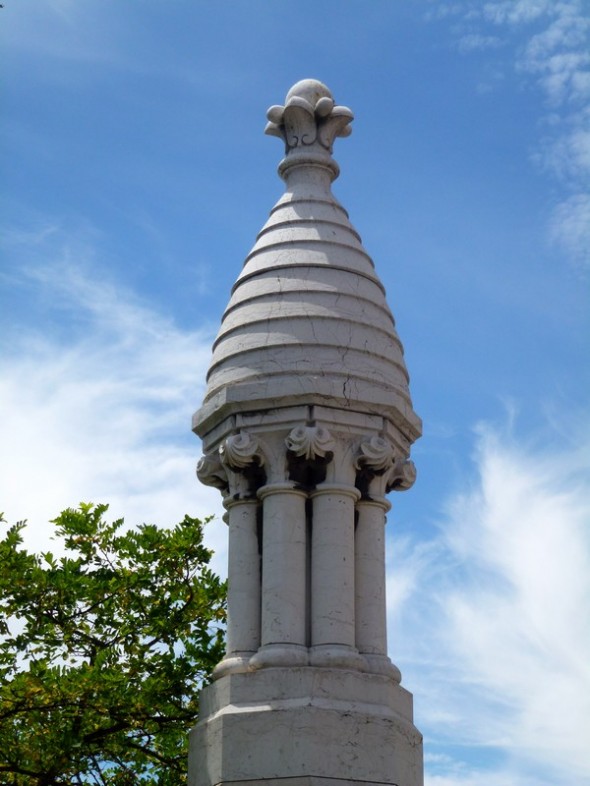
{"points": [[307, 424], [308, 321], [279, 724]]}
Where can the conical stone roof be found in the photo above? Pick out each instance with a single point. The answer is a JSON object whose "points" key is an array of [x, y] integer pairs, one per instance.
{"points": [[308, 322]]}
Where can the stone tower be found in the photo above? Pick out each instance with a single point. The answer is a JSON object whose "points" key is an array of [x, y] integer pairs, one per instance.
{"points": [[307, 424]]}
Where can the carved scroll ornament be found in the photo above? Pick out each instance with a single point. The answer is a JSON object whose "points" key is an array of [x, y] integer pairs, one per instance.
{"points": [[240, 451], [380, 470], [310, 443], [375, 456], [211, 472], [402, 475]]}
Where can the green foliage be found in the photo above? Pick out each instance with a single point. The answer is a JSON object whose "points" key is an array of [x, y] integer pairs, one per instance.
{"points": [[103, 651]]}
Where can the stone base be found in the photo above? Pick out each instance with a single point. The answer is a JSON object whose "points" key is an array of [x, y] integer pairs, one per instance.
{"points": [[301, 726], [308, 780]]}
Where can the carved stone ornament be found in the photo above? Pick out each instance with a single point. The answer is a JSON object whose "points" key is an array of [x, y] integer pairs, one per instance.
{"points": [[240, 451], [402, 475], [380, 471], [310, 443], [211, 472], [309, 117], [376, 456]]}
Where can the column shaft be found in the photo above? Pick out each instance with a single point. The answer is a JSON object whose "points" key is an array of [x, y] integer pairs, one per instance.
{"points": [[370, 585], [243, 589], [243, 597], [283, 607], [332, 577]]}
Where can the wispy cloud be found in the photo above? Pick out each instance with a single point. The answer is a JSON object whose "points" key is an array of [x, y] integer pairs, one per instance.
{"points": [[78, 42], [550, 46], [519, 11], [96, 392], [473, 41], [496, 625], [571, 227], [458, 775]]}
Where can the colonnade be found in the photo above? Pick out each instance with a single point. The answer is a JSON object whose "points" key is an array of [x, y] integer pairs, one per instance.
{"points": [[306, 510]]}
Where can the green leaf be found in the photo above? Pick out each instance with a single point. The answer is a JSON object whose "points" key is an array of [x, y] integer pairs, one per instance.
{"points": [[103, 650]]}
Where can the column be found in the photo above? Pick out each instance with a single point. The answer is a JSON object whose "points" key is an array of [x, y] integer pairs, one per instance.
{"points": [[333, 577], [243, 587], [283, 605], [236, 469], [370, 583], [379, 472]]}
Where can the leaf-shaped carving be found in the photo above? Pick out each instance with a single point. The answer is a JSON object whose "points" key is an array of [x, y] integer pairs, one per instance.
{"points": [[336, 124], [310, 442], [300, 103], [241, 450], [211, 472], [300, 124], [324, 106], [375, 455], [403, 476], [272, 129], [275, 114]]}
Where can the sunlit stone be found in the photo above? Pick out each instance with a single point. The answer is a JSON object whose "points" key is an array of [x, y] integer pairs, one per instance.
{"points": [[307, 423]]}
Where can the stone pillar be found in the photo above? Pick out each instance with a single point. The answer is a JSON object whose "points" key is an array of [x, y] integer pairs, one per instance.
{"points": [[370, 582], [239, 462], [243, 590], [332, 577], [379, 472], [284, 550]]}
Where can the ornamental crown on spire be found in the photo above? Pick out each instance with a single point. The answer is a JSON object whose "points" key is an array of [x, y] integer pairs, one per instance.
{"points": [[310, 117], [307, 323]]}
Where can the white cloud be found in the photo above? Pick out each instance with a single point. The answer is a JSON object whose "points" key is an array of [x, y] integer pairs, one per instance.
{"points": [[96, 393], [496, 630], [459, 775], [474, 41], [566, 150], [559, 54], [516, 11], [552, 46], [570, 227]]}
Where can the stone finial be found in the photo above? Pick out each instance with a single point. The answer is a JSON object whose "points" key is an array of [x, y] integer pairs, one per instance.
{"points": [[308, 123]]}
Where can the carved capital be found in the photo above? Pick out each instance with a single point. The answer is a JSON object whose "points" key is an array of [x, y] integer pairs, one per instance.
{"points": [[380, 470], [211, 472], [240, 451], [311, 443], [243, 460], [375, 456], [309, 450], [309, 119], [401, 476]]}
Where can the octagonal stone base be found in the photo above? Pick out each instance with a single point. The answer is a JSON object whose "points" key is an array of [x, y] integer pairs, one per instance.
{"points": [[303, 726]]}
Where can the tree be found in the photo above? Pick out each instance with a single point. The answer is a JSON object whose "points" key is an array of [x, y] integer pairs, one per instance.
{"points": [[103, 651]]}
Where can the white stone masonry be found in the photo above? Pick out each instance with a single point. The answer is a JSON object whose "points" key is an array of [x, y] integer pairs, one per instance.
{"points": [[307, 424]]}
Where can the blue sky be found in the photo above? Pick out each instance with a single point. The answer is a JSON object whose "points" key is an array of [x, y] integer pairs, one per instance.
{"points": [[135, 177]]}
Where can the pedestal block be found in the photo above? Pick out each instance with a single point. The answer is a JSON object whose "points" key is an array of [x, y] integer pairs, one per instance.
{"points": [[304, 726]]}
